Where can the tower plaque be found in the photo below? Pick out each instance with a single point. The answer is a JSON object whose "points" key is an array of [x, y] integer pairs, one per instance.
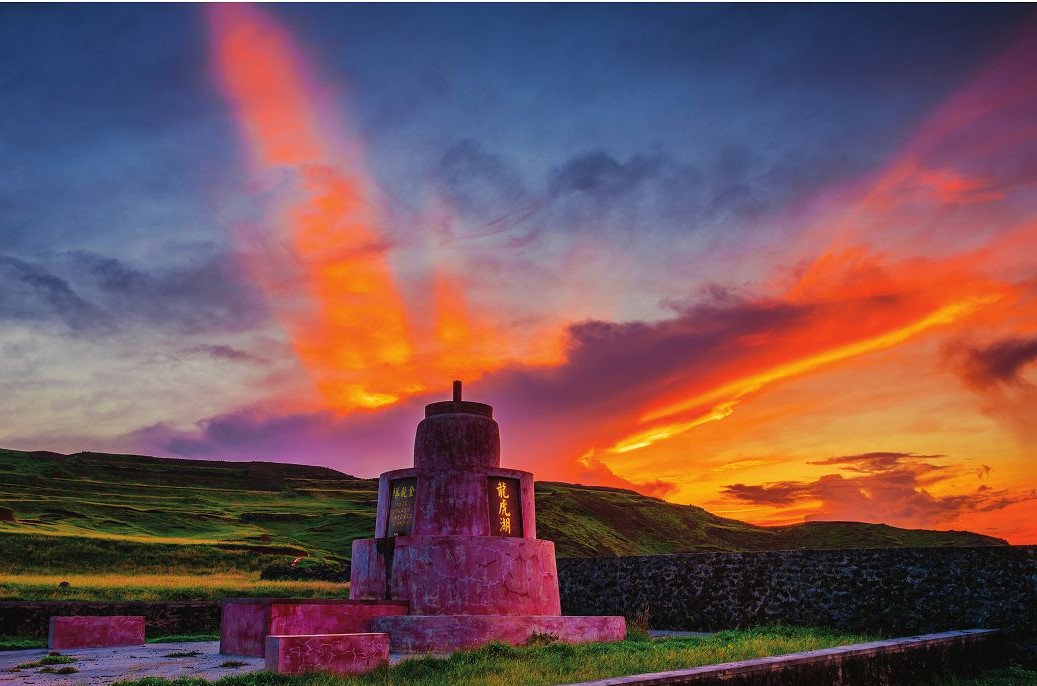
{"points": [[504, 505], [401, 506]]}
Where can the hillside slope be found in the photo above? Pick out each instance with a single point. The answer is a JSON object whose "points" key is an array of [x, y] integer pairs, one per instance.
{"points": [[100, 512], [594, 520]]}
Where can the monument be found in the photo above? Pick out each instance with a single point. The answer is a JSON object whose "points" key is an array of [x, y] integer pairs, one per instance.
{"points": [[455, 537], [454, 563]]}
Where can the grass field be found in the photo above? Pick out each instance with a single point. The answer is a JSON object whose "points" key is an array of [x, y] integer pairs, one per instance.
{"points": [[91, 514], [545, 665], [159, 587]]}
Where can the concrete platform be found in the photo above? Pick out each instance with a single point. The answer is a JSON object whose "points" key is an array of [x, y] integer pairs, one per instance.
{"points": [[247, 622], [342, 654], [446, 633]]}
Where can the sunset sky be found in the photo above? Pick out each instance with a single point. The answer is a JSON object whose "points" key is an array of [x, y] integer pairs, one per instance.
{"points": [[776, 261]]}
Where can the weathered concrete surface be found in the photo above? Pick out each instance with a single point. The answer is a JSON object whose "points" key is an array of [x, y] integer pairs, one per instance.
{"points": [[900, 591], [101, 666], [95, 632], [336, 653], [475, 575], [456, 440], [445, 633], [248, 621], [244, 627], [902, 661], [164, 618]]}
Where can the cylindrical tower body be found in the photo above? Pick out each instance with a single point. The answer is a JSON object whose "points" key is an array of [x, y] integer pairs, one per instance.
{"points": [[456, 534]]}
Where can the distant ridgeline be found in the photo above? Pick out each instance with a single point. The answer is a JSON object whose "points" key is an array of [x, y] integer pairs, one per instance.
{"points": [[98, 512]]}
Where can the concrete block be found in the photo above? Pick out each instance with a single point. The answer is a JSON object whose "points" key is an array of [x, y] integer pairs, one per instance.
{"points": [[446, 633], [246, 622], [95, 632], [336, 653]]}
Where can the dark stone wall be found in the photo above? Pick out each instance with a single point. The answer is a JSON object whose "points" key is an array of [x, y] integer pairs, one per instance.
{"points": [[897, 662], [889, 592], [32, 618]]}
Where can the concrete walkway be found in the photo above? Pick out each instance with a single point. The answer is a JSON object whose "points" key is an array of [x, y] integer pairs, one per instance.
{"points": [[101, 666]]}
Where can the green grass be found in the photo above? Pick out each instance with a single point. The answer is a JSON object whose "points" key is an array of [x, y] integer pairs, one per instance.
{"points": [[545, 665], [138, 520], [52, 659], [589, 521], [21, 642], [1013, 675], [114, 587]]}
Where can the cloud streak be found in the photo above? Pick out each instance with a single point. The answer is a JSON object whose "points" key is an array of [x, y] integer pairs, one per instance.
{"points": [[889, 488]]}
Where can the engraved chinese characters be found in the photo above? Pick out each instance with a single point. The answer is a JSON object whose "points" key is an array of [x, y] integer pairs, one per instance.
{"points": [[504, 502], [401, 506]]}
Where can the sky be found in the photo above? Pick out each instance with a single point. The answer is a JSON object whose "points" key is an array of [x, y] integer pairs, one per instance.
{"points": [[776, 261]]}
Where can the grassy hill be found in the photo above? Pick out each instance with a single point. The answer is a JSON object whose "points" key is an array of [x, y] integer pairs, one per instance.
{"points": [[99, 513]]}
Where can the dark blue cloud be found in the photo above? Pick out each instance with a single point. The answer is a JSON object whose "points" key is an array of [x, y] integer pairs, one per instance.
{"points": [[112, 132], [30, 292], [93, 293]]}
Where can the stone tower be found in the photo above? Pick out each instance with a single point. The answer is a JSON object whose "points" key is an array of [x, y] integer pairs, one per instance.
{"points": [[455, 537]]}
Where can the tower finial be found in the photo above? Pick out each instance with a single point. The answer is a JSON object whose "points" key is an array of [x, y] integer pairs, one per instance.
{"points": [[457, 391]]}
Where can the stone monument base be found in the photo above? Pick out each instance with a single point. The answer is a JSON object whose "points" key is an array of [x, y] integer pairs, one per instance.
{"points": [[456, 575], [446, 633], [336, 653], [247, 622]]}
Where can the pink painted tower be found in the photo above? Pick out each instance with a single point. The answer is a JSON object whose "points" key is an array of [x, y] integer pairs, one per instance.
{"points": [[455, 537]]}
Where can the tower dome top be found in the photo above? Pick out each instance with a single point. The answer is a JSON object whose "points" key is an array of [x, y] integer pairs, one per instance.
{"points": [[458, 406]]}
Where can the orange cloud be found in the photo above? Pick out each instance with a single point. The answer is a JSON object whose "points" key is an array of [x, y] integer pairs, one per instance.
{"points": [[320, 256], [937, 244]]}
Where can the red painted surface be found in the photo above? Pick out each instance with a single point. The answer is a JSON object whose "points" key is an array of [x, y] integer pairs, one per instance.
{"points": [[445, 633], [335, 653], [475, 575], [95, 632], [246, 623], [243, 628], [456, 440]]}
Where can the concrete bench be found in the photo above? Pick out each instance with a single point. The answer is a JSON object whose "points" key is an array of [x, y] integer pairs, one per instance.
{"points": [[246, 622], [335, 653], [95, 632]]}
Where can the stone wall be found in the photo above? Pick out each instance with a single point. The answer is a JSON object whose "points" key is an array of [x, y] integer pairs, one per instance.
{"points": [[895, 662], [889, 592], [163, 618]]}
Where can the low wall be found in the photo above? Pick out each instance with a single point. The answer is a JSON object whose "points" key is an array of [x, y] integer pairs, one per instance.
{"points": [[898, 662], [163, 618], [889, 592]]}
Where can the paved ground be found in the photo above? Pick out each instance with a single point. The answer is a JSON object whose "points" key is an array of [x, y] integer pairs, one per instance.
{"points": [[98, 666], [102, 666]]}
